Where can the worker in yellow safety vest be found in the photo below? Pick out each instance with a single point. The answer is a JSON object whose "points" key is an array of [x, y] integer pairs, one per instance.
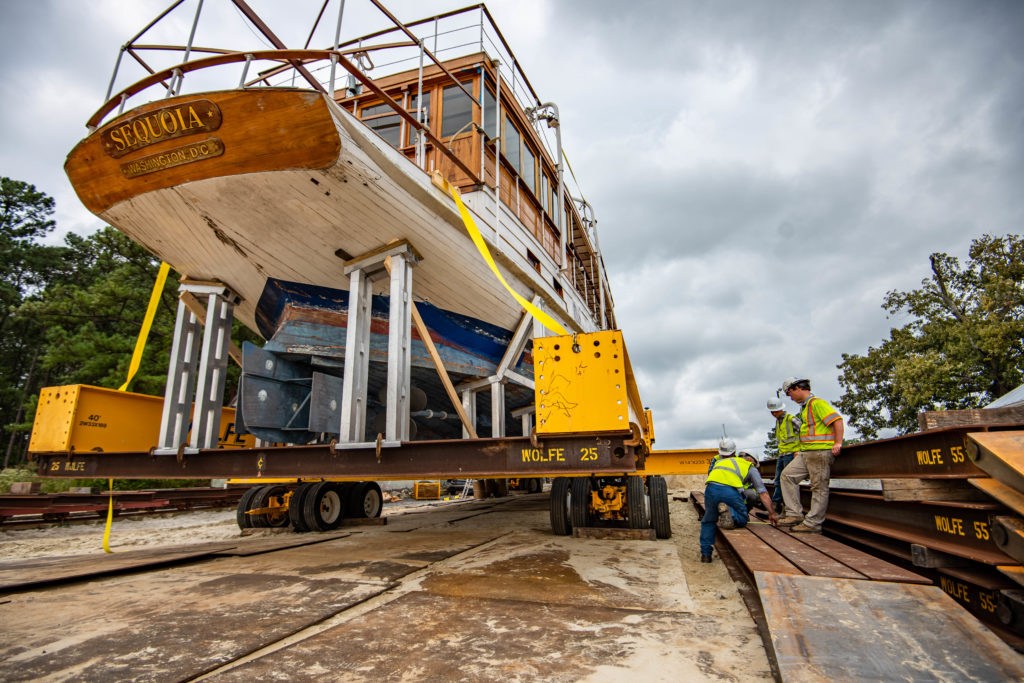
{"points": [[821, 439], [726, 449], [787, 441], [724, 505]]}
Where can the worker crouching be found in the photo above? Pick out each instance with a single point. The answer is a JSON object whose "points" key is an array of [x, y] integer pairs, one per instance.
{"points": [[724, 503]]}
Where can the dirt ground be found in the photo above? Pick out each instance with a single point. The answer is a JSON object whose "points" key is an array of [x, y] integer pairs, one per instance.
{"points": [[704, 632]]}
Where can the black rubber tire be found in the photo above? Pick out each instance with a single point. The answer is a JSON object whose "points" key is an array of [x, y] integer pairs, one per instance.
{"points": [[365, 500], [636, 503], [579, 502], [295, 512], [536, 485], [323, 508], [262, 500], [659, 506], [561, 525], [244, 505]]}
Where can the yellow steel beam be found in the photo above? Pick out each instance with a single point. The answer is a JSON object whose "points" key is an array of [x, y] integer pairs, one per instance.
{"points": [[686, 461]]}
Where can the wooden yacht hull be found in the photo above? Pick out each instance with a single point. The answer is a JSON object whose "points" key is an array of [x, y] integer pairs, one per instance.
{"points": [[285, 185]]}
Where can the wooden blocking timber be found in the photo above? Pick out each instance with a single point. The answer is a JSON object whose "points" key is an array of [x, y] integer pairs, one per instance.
{"points": [[923, 556], [1010, 608], [1008, 533], [1008, 496], [931, 489], [1013, 571], [25, 488], [614, 534]]}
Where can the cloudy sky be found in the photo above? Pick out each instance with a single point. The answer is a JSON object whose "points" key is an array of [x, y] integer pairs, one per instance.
{"points": [[762, 172]]}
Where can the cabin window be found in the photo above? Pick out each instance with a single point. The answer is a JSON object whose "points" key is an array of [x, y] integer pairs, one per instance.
{"points": [[490, 114], [534, 261], [413, 103], [529, 172], [511, 144], [456, 109], [382, 119], [545, 193], [558, 287]]}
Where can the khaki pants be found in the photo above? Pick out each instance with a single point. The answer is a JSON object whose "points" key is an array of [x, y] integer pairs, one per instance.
{"points": [[813, 465]]}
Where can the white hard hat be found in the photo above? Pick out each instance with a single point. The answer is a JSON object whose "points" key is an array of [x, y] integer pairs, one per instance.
{"points": [[775, 404], [790, 381], [726, 447], [744, 454]]}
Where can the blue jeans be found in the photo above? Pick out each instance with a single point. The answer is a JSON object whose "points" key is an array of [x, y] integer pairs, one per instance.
{"points": [[779, 466], [713, 495]]}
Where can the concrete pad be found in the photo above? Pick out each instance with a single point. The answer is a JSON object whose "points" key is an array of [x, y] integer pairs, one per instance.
{"points": [[426, 637], [374, 557], [164, 625], [554, 569]]}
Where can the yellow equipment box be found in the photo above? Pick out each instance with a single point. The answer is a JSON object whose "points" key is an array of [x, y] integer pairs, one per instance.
{"points": [[584, 383], [84, 418], [426, 490]]}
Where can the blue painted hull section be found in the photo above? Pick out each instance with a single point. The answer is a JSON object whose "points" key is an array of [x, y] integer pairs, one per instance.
{"points": [[310, 320]]}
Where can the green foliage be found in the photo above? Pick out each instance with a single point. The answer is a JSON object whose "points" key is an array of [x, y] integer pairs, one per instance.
{"points": [[72, 314], [962, 348], [12, 474], [771, 446]]}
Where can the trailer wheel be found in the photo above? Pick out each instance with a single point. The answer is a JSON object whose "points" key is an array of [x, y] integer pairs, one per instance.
{"points": [[265, 498], [365, 500], [295, 508], [659, 506], [323, 507], [560, 522], [244, 505], [636, 503], [579, 502]]}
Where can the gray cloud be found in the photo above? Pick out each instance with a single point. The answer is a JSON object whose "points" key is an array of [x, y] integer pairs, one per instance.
{"points": [[763, 173]]}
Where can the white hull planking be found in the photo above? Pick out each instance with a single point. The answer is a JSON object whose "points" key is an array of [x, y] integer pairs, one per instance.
{"points": [[242, 229]]}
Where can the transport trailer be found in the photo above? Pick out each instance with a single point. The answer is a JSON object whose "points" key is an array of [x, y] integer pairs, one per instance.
{"points": [[592, 436]]}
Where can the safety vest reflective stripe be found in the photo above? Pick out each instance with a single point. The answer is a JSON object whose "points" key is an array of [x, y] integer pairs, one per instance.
{"points": [[813, 436], [787, 434], [730, 471]]}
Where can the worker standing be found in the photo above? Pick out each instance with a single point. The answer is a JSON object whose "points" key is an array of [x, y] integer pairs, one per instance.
{"points": [[821, 439], [723, 501], [787, 440]]}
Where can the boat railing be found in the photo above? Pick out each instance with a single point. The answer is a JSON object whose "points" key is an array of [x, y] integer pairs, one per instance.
{"points": [[445, 33]]}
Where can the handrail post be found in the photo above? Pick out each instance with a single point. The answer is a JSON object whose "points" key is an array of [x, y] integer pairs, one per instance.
{"points": [[337, 46], [421, 155]]}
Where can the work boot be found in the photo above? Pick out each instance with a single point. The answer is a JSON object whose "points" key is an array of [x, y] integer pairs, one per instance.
{"points": [[779, 508], [725, 520], [790, 520], [705, 558], [803, 529]]}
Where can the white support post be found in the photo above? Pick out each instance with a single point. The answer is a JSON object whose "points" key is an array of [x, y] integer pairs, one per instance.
{"points": [[181, 380], [197, 370], [469, 406], [213, 365], [399, 257], [357, 357], [497, 409], [525, 414], [399, 348]]}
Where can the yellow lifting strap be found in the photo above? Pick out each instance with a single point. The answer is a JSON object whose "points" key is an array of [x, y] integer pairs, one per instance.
{"points": [[133, 367], [478, 239], [147, 322]]}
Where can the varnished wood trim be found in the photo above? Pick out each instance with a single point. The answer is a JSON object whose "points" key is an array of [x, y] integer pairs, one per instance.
{"points": [[262, 130]]}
